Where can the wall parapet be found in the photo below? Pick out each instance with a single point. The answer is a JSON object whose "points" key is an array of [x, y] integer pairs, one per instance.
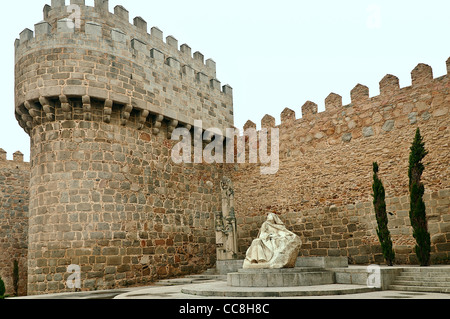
{"points": [[339, 121], [103, 56], [326, 158], [18, 157]]}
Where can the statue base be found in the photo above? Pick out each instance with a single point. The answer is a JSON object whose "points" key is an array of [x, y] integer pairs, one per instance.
{"points": [[224, 267], [292, 277]]}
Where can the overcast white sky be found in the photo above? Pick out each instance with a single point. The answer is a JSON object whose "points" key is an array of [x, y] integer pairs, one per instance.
{"points": [[275, 54]]}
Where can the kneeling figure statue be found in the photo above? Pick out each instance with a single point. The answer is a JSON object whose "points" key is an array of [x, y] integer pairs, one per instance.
{"points": [[275, 248]]}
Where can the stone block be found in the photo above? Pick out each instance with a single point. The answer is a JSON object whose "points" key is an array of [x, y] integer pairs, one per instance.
{"points": [[245, 280], [103, 5], [211, 65], [156, 33], [26, 35], [368, 131], [389, 85], [139, 45], [309, 109], [422, 74], [78, 2], [42, 28], [93, 29], [360, 93], [268, 122], [275, 280], [228, 266], [74, 90], [322, 262], [202, 77], [215, 84], [140, 23], [198, 56], [333, 101], [174, 63], [228, 90], [259, 280], [186, 50], [347, 137], [157, 55], [287, 115], [58, 3], [65, 25], [188, 71], [388, 126], [118, 36], [172, 42], [18, 157], [122, 13]]}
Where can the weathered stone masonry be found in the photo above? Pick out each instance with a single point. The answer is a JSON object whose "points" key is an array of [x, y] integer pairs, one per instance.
{"points": [[100, 103], [324, 185], [14, 181]]}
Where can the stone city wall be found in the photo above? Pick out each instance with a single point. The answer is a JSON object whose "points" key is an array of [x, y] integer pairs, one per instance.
{"points": [[100, 98], [324, 184], [14, 181], [350, 230]]}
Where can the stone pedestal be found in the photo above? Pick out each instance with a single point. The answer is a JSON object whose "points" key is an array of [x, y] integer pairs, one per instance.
{"points": [[224, 267], [294, 277]]}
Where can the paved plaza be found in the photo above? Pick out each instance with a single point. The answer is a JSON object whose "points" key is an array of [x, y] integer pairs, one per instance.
{"points": [[175, 292]]}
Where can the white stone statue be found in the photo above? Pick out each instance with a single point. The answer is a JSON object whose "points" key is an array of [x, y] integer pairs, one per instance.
{"points": [[226, 227], [275, 248]]}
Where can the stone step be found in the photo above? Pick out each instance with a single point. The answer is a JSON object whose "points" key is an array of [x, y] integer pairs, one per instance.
{"points": [[280, 278], [195, 279], [283, 270], [211, 271], [420, 289], [428, 270], [224, 291], [209, 277], [408, 277], [422, 283]]}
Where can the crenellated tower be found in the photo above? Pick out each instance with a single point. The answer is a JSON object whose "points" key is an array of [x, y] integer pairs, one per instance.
{"points": [[100, 97], [79, 55]]}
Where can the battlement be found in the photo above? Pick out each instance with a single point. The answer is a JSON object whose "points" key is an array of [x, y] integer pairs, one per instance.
{"points": [[17, 156], [365, 116], [82, 51]]}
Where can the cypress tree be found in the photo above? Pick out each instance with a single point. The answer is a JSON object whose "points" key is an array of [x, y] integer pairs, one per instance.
{"points": [[417, 212], [382, 219], [2, 289], [16, 277]]}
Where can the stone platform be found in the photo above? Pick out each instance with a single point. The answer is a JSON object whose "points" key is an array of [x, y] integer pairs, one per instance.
{"points": [[312, 276], [222, 290], [295, 277]]}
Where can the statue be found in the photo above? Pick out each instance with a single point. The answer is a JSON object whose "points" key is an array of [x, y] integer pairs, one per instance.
{"points": [[275, 248], [226, 228]]}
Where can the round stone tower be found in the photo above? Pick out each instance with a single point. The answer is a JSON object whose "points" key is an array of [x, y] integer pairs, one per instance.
{"points": [[100, 98]]}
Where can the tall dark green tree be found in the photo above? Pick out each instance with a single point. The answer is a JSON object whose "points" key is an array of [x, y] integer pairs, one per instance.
{"points": [[417, 212], [379, 204], [16, 277], [2, 289]]}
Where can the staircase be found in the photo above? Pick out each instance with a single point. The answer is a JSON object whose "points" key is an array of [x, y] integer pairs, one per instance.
{"points": [[430, 279], [207, 276]]}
